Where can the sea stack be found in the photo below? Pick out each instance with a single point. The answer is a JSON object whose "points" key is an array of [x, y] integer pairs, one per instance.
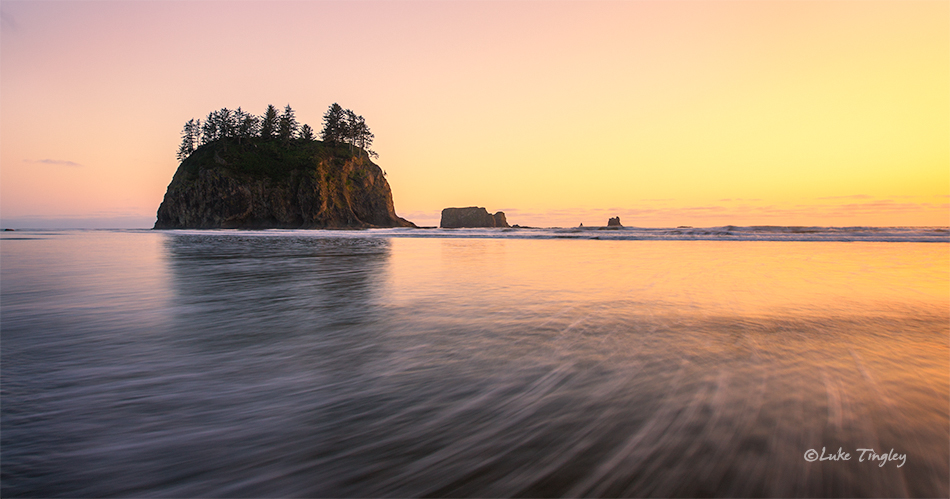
{"points": [[614, 222], [471, 217], [257, 183]]}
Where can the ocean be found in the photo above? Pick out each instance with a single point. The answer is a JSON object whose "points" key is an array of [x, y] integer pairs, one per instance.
{"points": [[681, 362]]}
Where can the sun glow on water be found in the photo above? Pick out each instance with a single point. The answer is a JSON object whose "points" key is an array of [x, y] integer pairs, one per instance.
{"points": [[418, 362]]}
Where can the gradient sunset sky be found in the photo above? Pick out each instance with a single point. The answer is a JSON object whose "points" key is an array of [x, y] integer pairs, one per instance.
{"points": [[699, 113]]}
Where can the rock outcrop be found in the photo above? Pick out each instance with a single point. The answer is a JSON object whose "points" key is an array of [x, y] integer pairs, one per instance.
{"points": [[614, 222], [471, 217], [500, 220], [263, 184]]}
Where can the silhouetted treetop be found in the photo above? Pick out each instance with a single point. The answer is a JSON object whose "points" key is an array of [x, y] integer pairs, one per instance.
{"points": [[269, 122], [344, 126], [306, 133], [189, 139], [287, 126], [334, 124], [340, 126]]}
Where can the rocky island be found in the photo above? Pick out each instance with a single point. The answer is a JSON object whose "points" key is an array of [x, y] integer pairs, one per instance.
{"points": [[471, 217], [239, 171]]}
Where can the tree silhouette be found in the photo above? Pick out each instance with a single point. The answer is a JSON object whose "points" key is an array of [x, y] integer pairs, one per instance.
{"points": [[189, 138], [306, 133], [248, 125], [334, 124], [350, 128], [269, 122], [340, 126], [209, 130], [226, 125], [287, 127], [360, 135], [344, 126]]}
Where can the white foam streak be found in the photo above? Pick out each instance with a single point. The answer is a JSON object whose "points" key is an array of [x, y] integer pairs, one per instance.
{"points": [[724, 233]]}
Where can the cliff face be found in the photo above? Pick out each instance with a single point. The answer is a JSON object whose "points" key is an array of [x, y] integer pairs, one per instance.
{"points": [[258, 184]]}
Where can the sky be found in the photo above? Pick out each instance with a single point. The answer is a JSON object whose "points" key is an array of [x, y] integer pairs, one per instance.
{"points": [[665, 113]]}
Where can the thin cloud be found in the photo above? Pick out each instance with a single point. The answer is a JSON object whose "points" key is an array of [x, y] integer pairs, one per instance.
{"points": [[853, 196], [60, 162]]}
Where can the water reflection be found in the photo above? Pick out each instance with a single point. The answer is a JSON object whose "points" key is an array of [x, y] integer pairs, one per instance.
{"points": [[265, 289]]}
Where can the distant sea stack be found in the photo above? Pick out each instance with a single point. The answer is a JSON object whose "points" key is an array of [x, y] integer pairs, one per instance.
{"points": [[614, 222], [240, 171], [471, 217]]}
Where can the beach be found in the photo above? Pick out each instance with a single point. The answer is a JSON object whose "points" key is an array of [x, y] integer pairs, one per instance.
{"points": [[476, 363]]}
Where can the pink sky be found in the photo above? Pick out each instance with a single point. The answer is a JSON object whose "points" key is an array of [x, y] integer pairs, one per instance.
{"points": [[665, 113]]}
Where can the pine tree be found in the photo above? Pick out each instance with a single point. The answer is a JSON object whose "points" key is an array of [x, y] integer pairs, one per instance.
{"points": [[350, 129], [247, 124], [226, 125], [334, 124], [287, 127], [269, 122], [306, 133], [360, 135], [209, 131], [364, 137], [189, 137]]}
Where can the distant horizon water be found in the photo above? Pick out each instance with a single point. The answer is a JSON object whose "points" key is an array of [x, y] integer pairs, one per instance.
{"points": [[725, 232]]}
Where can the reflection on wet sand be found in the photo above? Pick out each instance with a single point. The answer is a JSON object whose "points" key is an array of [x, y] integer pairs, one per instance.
{"points": [[353, 367]]}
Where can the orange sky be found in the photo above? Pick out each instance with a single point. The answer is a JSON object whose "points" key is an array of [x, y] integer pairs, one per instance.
{"points": [[665, 113]]}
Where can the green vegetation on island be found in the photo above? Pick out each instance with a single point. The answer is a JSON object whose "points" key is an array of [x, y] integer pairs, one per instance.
{"points": [[243, 171], [340, 127]]}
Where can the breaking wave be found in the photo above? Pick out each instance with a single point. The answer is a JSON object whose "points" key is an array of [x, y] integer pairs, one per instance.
{"points": [[724, 233]]}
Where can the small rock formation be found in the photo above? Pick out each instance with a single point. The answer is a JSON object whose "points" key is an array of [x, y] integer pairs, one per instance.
{"points": [[614, 222], [471, 217], [500, 220]]}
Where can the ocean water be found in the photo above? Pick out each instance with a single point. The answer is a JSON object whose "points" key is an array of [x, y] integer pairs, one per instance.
{"points": [[475, 363]]}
